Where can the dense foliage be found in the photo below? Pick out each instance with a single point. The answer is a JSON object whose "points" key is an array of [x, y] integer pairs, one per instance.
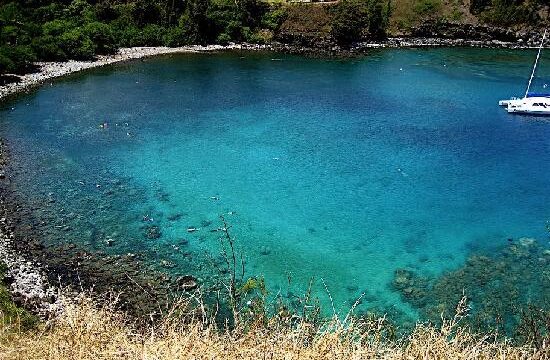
{"points": [[58, 30], [354, 19]]}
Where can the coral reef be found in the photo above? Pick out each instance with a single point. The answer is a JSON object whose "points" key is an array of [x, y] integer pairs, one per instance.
{"points": [[502, 289]]}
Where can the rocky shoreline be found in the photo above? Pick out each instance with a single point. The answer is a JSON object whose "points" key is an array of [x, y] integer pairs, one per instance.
{"points": [[51, 70], [316, 47], [42, 276], [325, 47], [27, 279], [29, 285]]}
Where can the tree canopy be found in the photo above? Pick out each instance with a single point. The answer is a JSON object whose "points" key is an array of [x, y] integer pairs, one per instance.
{"points": [[57, 30]]}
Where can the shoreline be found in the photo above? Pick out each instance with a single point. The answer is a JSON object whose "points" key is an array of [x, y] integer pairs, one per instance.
{"points": [[26, 279], [41, 278], [52, 70]]}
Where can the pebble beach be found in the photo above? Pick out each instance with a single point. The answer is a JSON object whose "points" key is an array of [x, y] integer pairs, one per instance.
{"points": [[51, 70]]}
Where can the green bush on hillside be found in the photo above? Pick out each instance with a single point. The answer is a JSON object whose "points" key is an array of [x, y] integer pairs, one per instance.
{"points": [[102, 37], [77, 45], [510, 12], [16, 59], [349, 20], [427, 7], [352, 20]]}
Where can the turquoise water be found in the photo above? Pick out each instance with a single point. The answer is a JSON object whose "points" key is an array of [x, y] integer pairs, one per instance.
{"points": [[342, 170]]}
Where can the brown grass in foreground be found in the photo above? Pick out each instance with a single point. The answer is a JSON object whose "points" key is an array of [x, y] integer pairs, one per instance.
{"points": [[85, 331]]}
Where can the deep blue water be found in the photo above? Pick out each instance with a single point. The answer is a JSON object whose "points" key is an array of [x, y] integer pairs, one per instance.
{"points": [[343, 170]]}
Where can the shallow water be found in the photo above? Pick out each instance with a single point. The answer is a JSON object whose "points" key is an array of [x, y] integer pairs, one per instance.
{"points": [[342, 170]]}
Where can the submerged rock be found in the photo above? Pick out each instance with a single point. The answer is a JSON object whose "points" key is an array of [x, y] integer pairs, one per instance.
{"points": [[265, 250], [187, 282], [175, 217], [163, 196], [525, 241], [413, 287], [502, 288], [402, 279], [153, 232], [167, 264]]}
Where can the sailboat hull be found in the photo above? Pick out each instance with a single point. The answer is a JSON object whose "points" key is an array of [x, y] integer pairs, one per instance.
{"points": [[534, 105]]}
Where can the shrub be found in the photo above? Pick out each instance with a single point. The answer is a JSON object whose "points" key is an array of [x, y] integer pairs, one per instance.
{"points": [[349, 19], [152, 35], [16, 58], [377, 19], [56, 27], [274, 18], [77, 45], [146, 12], [5, 63], [427, 7], [508, 12], [223, 39], [47, 13], [175, 37], [80, 10], [105, 11], [48, 48], [102, 37], [262, 36]]}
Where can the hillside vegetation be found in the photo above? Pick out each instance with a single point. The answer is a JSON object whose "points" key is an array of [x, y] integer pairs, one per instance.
{"points": [[507, 13], [47, 30], [87, 331]]}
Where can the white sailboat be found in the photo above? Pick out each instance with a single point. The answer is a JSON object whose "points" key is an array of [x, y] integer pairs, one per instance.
{"points": [[531, 103]]}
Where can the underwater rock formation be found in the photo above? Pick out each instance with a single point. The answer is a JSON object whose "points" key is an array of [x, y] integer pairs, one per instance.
{"points": [[413, 287], [152, 232], [503, 289]]}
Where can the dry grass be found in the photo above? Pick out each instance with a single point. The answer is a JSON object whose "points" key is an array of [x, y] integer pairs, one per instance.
{"points": [[85, 331]]}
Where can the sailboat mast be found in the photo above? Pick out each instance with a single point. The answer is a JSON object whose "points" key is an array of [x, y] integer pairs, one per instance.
{"points": [[535, 66]]}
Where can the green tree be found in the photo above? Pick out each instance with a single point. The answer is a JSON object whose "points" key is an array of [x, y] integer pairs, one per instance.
{"points": [[48, 48], [195, 22], [377, 19], [102, 37], [77, 45], [80, 11], [106, 11], [16, 59], [349, 19], [146, 12], [152, 35]]}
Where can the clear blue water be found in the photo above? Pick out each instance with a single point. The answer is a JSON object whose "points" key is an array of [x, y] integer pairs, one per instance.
{"points": [[343, 170]]}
